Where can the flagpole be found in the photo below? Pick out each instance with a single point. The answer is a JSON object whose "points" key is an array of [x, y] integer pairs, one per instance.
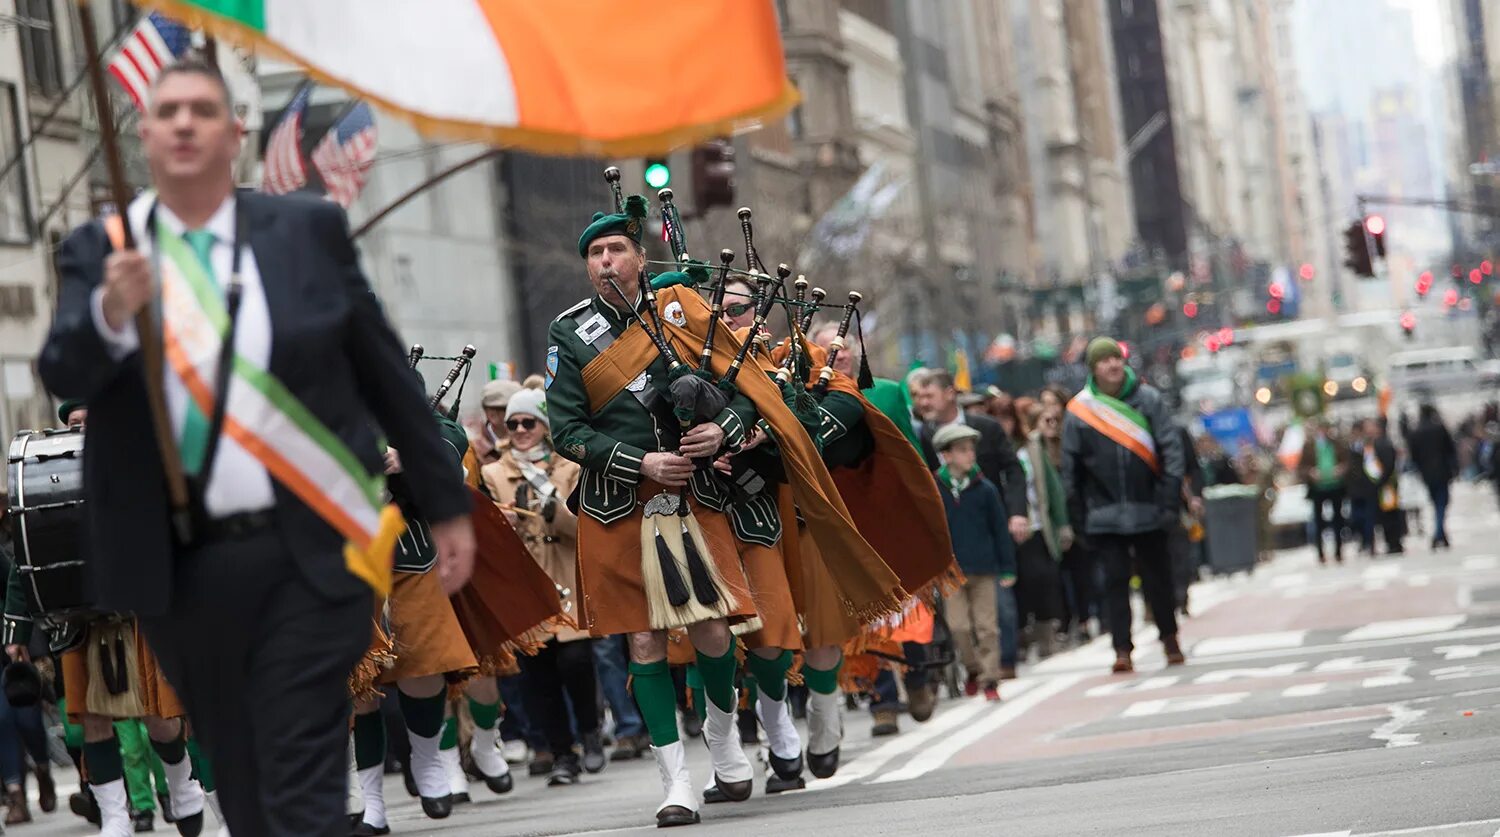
{"points": [[151, 347]]}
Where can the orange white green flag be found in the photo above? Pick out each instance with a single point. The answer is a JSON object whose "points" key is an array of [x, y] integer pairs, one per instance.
{"points": [[584, 77]]}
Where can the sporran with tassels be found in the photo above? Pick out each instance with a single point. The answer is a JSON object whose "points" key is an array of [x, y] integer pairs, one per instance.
{"points": [[683, 585]]}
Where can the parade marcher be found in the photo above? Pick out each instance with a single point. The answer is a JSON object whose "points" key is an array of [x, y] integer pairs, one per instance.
{"points": [[668, 559], [21, 730], [1122, 468], [532, 485], [985, 551], [492, 434], [1371, 485], [1323, 467], [260, 608], [1433, 451], [84, 666]]}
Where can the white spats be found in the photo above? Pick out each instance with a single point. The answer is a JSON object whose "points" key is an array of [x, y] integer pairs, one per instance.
{"points": [[186, 793], [458, 782], [676, 779], [427, 766], [825, 722], [371, 782], [724, 750], [780, 731], [114, 811], [486, 754]]}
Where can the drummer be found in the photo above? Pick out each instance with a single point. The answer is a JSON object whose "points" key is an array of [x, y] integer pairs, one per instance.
{"points": [[151, 698]]}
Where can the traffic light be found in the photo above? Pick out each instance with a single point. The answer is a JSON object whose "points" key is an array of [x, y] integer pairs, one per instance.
{"points": [[657, 173], [1190, 309], [1356, 251], [713, 174], [1306, 272], [1375, 226], [1424, 283], [1408, 323]]}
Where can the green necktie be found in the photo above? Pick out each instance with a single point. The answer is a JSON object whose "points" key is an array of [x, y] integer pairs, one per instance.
{"points": [[194, 443]]}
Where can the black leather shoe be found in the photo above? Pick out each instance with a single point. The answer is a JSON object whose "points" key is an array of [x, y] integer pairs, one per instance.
{"points": [[825, 765], [188, 826], [734, 791], [712, 795], [776, 784], [460, 798], [500, 784], [83, 804], [785, 769], [142, 821], [165, 803], [594, 759], [364, 829], [437, 807], [675, 815], [540, 765]]}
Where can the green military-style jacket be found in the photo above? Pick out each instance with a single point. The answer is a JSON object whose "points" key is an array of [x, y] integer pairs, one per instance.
{"points": [[611, 441], [845, 437], [415, 551]]}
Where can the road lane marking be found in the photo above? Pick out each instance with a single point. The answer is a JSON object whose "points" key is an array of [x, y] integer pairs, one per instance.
{"points": [[1276, 640], [1224, 675], [1161, 706], [1381, 571], [939, 754], [1390, 732], [1124, 687], [871, 762], [1304, 690], [1428, 829], [1397, 628]]}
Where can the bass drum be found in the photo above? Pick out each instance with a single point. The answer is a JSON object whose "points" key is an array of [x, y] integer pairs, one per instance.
{"points": [[47, 526]]}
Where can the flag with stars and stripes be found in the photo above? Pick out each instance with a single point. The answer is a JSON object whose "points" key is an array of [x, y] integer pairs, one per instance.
{"points": [[284, 171], [155, 42], [344, 155]]}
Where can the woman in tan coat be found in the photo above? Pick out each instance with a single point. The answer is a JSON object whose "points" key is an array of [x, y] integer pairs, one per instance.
{"points": [[532, 485]]}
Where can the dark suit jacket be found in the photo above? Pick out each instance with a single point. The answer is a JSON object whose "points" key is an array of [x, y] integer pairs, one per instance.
{"points": [[997, 460], [331, 346]]}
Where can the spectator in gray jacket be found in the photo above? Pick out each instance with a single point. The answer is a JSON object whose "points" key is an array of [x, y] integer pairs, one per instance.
{"points": [[1122, 470]]}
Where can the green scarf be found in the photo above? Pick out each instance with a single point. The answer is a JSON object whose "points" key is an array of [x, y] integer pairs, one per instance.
{"points": [[1117, 403], [960, 483], [1327, 463]]}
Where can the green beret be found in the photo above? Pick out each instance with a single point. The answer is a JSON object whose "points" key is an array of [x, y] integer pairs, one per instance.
{"points": [[66, 408], [629, 223]]}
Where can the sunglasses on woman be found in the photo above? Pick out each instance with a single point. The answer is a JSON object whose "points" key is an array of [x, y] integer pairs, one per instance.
{"points": [[739, 309], [521, 423]]}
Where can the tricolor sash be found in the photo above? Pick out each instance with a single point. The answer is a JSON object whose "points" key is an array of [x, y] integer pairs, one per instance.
{"points": [[1117, 421], [265, 419]]}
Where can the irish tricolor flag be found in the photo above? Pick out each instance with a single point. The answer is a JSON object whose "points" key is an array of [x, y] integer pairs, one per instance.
{"points": [[556, 76]]}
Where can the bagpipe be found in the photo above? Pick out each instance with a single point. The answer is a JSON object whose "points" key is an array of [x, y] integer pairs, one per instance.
{"points": [[457, 374]]}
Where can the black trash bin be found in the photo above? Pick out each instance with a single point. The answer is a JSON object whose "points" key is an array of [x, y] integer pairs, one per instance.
{"points": [[1231, 523]]}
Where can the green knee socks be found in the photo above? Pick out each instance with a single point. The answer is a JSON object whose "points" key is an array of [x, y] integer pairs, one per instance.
{"points": [[369, 740], [820, 681], [770, 675], [651, 683], [718, 677], [201, 766], [450, 735], [485, 715], [424, 716]]}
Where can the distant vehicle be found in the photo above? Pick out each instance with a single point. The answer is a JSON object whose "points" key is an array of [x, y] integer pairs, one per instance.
{"points": [[1344, 377], [1436, 370], [1206, 384]]}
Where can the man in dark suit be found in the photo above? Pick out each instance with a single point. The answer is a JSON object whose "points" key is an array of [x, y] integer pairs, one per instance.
{"points": [[259, 618]]}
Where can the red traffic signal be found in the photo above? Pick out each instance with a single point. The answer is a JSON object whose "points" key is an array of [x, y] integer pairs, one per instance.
{"points": [[1475, 276], [1486, 267], [1277, 292], [1190, 309], [1226, 336], [1273, 306], [1408, 322], [1450, 297], [1306, 272], [1375, 225], [1213, 344], [1424, 283]]}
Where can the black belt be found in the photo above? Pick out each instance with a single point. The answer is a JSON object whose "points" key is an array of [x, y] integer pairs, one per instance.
{"points": [[236, 526]]}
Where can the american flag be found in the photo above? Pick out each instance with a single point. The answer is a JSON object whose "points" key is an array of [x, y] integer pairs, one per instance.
{"points": [[284, 171], [156, 42], [343, 157]]}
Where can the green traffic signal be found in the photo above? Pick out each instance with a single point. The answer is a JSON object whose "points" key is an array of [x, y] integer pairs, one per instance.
{"points": [[657, 174]]}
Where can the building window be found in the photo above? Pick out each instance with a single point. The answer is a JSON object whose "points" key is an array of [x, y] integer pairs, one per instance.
{"points": [[15, 213], [39, 47]]}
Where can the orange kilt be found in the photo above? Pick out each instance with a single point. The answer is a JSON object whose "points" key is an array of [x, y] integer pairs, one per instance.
{"points": [[424, 630], [156, 693], [611, 590], [766, 571]]}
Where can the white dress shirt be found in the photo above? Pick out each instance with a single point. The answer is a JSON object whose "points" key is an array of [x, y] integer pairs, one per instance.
{"points": [[239, 482]]}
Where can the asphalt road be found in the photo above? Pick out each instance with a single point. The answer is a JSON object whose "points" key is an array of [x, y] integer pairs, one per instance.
{"points": [[1354, 699]]}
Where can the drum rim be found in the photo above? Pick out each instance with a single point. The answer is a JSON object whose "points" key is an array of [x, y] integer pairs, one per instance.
{"points": [[18, 466]]}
